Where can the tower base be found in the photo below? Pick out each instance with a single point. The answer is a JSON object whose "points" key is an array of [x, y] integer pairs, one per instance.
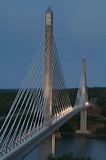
{"points": [[83, 132], [83, 123]]}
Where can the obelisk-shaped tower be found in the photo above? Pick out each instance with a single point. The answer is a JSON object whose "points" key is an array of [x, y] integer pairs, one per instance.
{"points": [[48, 67], [47, 147], [83, 113]]}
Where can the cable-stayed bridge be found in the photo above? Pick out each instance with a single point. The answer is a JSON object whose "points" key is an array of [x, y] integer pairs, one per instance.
{"points": [[42, 104]]}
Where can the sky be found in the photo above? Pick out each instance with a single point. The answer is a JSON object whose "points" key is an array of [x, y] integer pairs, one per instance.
{"points": [[79, 27]]}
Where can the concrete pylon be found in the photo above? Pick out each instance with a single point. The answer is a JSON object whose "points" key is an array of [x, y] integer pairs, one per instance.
{"points": [[48, 67], [47, 147], [83, 113]]}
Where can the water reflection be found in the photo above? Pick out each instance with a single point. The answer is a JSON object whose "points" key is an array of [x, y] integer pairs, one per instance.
{"points": [[34, 155], [82, 147], [79, 146]]}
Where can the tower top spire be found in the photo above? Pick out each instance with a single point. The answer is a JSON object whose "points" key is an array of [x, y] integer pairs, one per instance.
{"points": [[84, 54], [49, 17], [49, 9]]}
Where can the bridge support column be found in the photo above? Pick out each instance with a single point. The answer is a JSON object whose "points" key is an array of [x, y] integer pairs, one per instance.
{"points": [[83, 123], [83, 114], [47, 147]]}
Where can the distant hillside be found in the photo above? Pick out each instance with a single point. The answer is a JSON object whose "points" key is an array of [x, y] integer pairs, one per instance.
{"points": [[7, 97], [98, 92]]}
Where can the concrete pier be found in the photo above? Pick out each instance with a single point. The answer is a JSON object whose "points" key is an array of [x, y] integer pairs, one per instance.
{"points": [[83, 123], [47, 147]]}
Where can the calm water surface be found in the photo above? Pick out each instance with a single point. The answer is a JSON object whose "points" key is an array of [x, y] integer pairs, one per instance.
{"points": [[79, 146], [82, 147]]}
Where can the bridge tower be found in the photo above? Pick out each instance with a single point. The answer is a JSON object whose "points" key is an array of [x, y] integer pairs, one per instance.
{"points": [[83, 113], [48, 67], [47, 147]]}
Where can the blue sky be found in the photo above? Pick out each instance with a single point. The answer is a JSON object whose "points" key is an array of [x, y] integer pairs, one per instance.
{"points": [[79, 25]]}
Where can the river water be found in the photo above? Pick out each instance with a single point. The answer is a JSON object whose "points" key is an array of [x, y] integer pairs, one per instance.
{"points": [[94, 148]]}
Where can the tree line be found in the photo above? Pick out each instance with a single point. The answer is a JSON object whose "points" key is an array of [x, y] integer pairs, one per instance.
{"points": [[7, 97]]}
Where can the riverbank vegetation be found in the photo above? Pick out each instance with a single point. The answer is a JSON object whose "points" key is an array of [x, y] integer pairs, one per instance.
{"points": [[101, 131], [94, 116], [68, 157], [7, 97]]}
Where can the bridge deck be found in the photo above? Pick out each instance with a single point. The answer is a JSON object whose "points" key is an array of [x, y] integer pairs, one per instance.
{"points": [[22, 149]]}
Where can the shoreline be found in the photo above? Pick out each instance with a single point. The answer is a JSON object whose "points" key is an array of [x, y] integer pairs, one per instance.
{"points": [[93, 136]]}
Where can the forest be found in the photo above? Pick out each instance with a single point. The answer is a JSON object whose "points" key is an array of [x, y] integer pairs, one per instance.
{"points": [[7, 97]]}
